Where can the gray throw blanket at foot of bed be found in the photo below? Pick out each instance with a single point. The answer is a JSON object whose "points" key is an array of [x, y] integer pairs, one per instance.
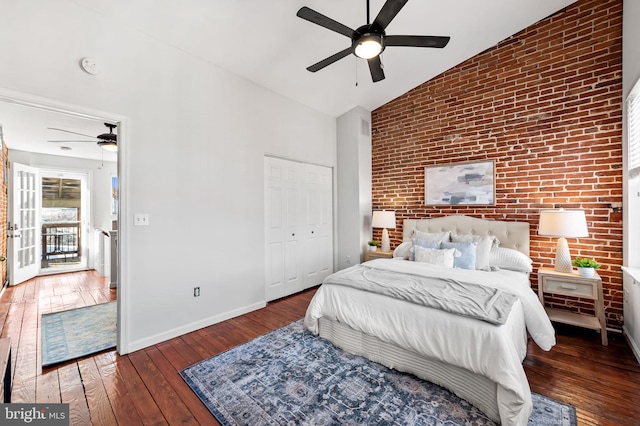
{"points": [[461, 298]]}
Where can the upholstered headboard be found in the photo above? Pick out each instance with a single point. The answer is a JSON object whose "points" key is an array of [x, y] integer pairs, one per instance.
{"points": [[513, 235]]}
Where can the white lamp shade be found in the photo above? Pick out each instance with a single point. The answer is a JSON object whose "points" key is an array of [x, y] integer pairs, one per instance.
{"points": [[563, 223], [384, 219]]}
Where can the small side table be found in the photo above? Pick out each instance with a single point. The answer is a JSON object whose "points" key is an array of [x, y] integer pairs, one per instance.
{"points": [[573, 284], [378, 254]]}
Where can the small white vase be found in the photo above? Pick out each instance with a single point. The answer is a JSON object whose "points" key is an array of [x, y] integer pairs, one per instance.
{"points": [[586, 272], [373, 248]]}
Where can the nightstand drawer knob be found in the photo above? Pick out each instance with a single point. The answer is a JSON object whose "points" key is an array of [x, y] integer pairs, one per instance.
{"points": [[569, 287]]}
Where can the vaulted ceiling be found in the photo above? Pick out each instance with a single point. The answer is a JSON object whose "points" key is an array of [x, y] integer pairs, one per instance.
{"points": [[266, 43]]}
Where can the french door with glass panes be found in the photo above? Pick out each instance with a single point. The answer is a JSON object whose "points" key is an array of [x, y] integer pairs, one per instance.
{"points": [[23, 230]]}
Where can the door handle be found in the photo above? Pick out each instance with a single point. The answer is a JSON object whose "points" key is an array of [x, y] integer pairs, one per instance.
{"points": [[569, 286]]}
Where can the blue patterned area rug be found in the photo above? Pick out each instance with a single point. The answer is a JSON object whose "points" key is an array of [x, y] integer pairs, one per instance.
{"points": [[78, 332], [291, 377]]}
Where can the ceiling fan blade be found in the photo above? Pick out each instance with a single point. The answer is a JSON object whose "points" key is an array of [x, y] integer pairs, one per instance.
{"points": [[388, 12], [71, 141], [375, 66], [416, 41], [69, 131], [324, 21], [331, 59]]}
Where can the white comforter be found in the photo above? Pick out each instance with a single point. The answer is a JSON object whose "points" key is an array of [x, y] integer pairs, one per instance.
{"points": [[493, 351]]}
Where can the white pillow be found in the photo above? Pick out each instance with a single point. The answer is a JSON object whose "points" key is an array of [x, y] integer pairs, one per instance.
{"points": [[441, 257], [506, 258], [438, 237], [483, 247], [404, 250]]}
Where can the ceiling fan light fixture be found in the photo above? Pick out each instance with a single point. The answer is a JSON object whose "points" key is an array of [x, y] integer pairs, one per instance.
{"points": [[108, 146], [368, 46]]}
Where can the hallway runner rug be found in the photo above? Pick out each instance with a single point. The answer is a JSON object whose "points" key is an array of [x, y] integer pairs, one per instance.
{"points": [[291, 376], [78, 332]]}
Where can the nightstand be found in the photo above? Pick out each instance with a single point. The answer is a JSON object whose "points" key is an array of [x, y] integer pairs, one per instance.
{"points": [[370, 255], [573, 284]]}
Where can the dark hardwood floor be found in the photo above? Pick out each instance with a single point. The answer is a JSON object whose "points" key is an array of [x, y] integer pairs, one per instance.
{"points": [[144, 387]]}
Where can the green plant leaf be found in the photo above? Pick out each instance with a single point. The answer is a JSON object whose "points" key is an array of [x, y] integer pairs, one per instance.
{"points": [[583, 262]]}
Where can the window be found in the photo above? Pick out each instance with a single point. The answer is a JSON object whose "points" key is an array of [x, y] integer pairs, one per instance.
{"points": [[59, 214], [633, 131]]}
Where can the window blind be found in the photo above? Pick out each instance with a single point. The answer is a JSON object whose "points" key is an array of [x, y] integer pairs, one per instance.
{"points": [[633, 111]]}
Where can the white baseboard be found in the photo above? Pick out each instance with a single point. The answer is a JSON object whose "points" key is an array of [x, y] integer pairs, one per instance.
{"points": [[188, 328], [634, 346]]}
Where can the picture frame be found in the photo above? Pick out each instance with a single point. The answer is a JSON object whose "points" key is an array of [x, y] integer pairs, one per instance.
{"points": [[460, 184]]}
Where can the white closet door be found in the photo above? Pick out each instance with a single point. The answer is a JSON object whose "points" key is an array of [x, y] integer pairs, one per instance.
{"points": [[318, 214], [298, 226], [282, 256]]}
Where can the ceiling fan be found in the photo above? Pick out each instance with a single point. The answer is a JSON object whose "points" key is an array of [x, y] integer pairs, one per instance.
{"points": [[368, 41], [106, 141]]}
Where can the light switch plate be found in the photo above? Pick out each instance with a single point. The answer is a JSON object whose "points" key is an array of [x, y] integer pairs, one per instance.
{"points": [[141, 219]]}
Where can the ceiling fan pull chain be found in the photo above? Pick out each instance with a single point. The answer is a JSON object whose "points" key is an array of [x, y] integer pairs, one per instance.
{"points": [[356, 72]]}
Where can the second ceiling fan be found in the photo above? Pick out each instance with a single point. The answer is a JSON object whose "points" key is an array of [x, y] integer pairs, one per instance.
{"points": [[106, 141], [368, 41]]}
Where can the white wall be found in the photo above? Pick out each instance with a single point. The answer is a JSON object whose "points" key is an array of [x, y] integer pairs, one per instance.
{"points": [[191, 157], [353, 186], [631, 188]]}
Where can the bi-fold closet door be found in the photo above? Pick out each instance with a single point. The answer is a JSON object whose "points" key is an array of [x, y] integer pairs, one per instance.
{"points": [[298, 226]]}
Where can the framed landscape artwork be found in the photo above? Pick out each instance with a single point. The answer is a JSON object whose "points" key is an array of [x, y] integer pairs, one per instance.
{"points": [[460, 184]]}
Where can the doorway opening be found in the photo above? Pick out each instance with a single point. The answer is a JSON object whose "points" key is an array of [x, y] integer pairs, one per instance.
{"points": [[64, 213], [18, 111]]}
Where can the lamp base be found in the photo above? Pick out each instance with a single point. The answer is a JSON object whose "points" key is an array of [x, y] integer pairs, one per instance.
{"points": [[563, 256], [386, 245]]}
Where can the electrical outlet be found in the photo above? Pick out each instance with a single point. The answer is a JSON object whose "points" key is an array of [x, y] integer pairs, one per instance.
{"points": [[348, 260], [196, 291]]}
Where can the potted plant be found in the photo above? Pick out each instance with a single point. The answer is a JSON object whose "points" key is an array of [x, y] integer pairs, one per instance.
{"points": [[586, 267], [373, 245]]}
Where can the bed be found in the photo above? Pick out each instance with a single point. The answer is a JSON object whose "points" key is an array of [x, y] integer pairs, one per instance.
{"points": [[480, 360]]}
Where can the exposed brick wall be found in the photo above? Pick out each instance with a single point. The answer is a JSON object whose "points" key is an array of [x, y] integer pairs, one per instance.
{"points": [[546, 105]]}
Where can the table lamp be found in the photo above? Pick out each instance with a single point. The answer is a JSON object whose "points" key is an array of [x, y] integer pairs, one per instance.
{"points": [[563, 224], [384, 219]]}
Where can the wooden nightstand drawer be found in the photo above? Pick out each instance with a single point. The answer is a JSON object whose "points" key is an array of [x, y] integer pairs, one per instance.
{"points": [[569, 288], [370, 255]]}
